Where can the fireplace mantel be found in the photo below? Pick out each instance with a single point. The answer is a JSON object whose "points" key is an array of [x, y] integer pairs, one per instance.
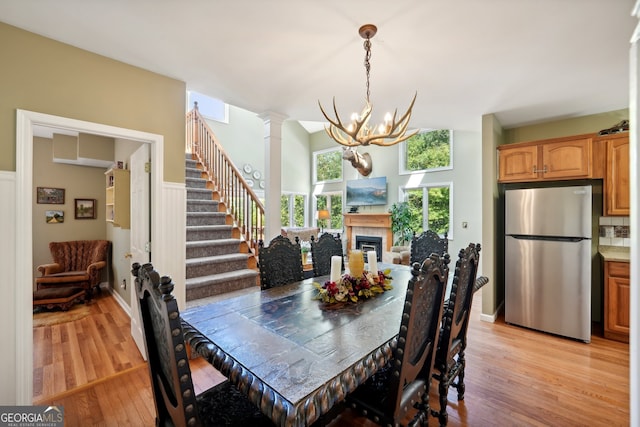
{"points": [[362, 221]]}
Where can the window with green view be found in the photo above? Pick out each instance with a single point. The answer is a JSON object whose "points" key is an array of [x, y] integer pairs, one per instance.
{"points": [[430, 208], [293, 210], [327, 165], [333, 203], [427, 151]]}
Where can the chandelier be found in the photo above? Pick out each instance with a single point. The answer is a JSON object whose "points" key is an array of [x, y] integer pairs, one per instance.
{"points": [[358, 131]]}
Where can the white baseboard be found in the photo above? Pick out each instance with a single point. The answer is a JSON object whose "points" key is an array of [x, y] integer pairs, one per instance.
{"points": [[491, 318], [119, 299]]}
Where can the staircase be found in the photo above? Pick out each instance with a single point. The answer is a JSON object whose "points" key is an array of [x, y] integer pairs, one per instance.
{"points": [[216, 261]]}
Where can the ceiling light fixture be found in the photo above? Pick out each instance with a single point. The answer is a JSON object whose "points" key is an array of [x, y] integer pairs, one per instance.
{"points": [[358, 131]]}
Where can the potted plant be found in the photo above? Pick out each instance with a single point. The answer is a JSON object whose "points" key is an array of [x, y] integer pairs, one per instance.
{"points": [[401, 223]]}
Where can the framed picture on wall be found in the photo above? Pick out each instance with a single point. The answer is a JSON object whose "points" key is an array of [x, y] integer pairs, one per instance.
{"points": [[85, 208], [52, 196], [54, 217]]}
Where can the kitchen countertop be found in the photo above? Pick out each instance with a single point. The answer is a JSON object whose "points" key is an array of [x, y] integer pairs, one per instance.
{"points": [[614, 253]]}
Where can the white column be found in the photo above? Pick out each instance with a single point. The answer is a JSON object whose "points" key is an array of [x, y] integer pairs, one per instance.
{"points": [[273, 172]]}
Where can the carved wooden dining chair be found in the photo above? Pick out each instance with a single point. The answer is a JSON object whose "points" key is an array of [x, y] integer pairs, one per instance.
{"points": [[280, 263], [427, 243], [450, 356], [402, 387], [173, 392], [322, 250]]}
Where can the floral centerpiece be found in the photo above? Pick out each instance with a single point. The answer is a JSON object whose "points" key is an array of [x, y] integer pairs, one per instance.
{"points": [[353, 289]]}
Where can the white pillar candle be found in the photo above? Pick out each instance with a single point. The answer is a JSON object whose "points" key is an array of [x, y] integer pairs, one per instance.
{"points": [[372, 259], [336, 268]]}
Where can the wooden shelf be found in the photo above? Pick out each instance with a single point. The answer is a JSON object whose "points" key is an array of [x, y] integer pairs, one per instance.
{"points": [[118, 196]]}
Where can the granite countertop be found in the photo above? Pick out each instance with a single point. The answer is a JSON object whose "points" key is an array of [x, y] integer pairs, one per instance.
{"points": [[614, 253]]}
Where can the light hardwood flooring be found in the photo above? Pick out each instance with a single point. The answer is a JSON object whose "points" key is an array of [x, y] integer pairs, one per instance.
{"points": [[514, 376]]}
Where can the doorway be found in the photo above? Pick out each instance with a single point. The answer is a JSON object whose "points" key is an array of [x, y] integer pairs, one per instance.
{"points": [[26, 120]]}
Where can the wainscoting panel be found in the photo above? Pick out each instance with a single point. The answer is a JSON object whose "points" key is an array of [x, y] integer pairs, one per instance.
{"points": [[8, 285]]}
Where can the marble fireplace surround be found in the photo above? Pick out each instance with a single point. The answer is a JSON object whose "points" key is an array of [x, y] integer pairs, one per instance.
{"points": [[368, 224]]}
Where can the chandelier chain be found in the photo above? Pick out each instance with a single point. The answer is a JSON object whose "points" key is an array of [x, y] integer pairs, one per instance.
{"points": [[367, 64], [358, 132]]}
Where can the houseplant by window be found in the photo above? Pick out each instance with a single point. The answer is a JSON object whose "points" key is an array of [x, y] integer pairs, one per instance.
{"points": [[401, 219]]}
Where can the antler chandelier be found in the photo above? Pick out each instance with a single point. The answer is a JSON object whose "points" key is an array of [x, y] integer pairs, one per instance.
{"points": [[358, 131]]}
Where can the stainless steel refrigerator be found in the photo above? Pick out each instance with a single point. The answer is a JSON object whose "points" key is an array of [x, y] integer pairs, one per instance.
{"points": [[548, 259]]}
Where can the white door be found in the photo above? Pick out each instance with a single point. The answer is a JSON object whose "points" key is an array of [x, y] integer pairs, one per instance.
{"points": [[140, 226]]}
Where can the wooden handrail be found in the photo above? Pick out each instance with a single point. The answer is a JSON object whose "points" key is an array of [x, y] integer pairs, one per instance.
{"points": [[238, 198]]}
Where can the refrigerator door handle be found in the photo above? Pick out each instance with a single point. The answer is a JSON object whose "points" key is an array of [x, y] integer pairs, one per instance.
{"points": [[552, 238]]}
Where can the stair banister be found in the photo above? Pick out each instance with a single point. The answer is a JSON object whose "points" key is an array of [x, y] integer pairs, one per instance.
{"points": [[238, 199]]}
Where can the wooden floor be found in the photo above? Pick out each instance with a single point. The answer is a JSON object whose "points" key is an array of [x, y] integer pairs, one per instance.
{"points": [[514, 376]]}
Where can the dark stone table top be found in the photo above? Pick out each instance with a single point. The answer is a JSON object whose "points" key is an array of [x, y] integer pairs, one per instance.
{"points": [[294, 356]]}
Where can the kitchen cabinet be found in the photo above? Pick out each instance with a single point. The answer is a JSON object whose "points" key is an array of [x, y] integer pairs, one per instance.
{"points": [[616, 185], [552, 159], [117, 202], [617, 297]]}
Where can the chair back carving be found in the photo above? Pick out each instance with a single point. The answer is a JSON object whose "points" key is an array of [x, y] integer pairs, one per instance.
{"points": [[406, 386], [173, 391], [418, 336], [280, 263], [322, 250], [425, 244], [450, 356], [457, 315]]}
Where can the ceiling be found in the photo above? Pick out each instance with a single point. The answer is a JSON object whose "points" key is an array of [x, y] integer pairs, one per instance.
{"points": [[526, 61]]}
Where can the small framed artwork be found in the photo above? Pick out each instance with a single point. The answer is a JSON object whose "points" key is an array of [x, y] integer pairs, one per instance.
{"points": [[85, 209], [54, 217], [52, 196]]}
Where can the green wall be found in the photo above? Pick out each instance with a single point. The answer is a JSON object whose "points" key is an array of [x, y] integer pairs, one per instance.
{"points": [[565, 127], [39, 74]]}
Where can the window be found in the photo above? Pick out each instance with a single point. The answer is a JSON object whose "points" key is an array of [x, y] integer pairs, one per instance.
{"points": [[293, 210], [211, 108], [333, 203], [427, 151], [430, 207], [327, 165]]}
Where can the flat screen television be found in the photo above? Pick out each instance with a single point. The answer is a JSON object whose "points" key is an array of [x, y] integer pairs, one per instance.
{"points": [[367, 192]]}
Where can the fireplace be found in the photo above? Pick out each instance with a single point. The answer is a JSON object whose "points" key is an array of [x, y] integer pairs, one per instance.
{"points": [[370, 243], [369, 224]]}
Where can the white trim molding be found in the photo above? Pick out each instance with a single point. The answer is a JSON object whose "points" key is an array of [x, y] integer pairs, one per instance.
{"points": [[25, 120]]}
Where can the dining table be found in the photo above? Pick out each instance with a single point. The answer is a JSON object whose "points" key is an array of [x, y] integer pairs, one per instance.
{"points": [[295, 356]]}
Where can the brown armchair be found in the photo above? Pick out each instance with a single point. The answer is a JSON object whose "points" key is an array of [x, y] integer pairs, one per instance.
{"points": [[77, 263]]}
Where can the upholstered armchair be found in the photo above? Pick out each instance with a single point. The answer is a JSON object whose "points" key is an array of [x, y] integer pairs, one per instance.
{"points": [[302, 233], [77, 263], [398, 255]]}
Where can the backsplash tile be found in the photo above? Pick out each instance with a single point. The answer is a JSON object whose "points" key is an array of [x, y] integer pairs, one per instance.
{"points": [[614, 231], [621, 231]]}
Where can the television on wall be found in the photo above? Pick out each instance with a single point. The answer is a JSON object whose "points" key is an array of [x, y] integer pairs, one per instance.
{"points": [[367, 192]]}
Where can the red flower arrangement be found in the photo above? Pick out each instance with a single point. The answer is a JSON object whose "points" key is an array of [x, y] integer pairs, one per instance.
{"points": [[353, 289]]}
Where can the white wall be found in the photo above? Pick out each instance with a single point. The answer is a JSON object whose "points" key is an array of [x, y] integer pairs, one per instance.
{"points": [[466, 177], [242, 138]]}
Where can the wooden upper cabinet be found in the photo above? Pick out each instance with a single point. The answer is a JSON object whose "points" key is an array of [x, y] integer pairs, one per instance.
{"points": [[616, 195], [518, 163], [554, 159], [567, 159]]}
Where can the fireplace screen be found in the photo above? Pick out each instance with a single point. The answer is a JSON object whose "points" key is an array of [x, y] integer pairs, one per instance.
{"points": [[370, 243]]}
